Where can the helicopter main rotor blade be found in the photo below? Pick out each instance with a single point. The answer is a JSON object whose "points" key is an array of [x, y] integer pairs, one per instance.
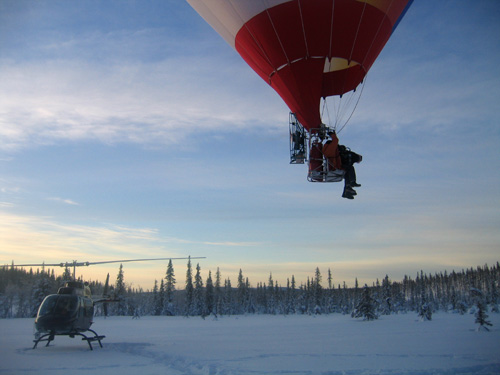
{"points": [[86, 264], [138, 260], [40, 265]]}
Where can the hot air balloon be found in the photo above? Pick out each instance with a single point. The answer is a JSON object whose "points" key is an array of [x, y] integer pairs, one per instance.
{"points": [[306, 50]]}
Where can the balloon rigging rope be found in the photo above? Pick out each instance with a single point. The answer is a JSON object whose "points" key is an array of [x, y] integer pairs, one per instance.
{"points": [[277, 36], [378, 30], [303, 29], [355, 106], [331, 37], [325, 107], [357, 31], [252, 35], [331, 33], [362, 63], [340, 107]]}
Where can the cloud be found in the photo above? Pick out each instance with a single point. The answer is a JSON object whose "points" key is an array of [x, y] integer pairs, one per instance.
{"points": [[28, 238], [434, 76], [235, 244], [23, 236], [65, 201], [146, 81], [158, 102], [34, 239]]}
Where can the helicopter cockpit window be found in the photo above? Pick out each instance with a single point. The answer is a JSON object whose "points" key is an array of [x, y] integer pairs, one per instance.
{"points": [[48, 305], [58, 304], [66, 304]]}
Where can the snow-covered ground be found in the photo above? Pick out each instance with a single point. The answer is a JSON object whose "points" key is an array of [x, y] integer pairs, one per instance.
{"points": [[261, 344]]}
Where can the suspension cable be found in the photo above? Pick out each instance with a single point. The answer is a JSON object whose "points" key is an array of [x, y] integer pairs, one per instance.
{"points": [[355, 106], [276, 32], [357, 32], [303, 29], [252, 35], [340, 107], [331, 33], [378, 30]]}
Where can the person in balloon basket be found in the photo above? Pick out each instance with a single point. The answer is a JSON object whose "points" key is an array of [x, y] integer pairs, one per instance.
{"points": [[316, 161], [341, 157]]}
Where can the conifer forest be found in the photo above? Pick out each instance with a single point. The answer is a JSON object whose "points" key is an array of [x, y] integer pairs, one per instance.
{"points": [[473, 289]]}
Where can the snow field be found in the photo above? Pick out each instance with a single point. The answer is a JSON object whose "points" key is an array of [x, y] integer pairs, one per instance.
{"points": [[262, 345]]}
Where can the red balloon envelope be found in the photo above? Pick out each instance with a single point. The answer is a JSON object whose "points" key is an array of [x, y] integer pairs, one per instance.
{"points": [[306, 49]]}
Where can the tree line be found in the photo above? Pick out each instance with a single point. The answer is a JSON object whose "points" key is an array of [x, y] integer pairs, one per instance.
{"points": [[22, 291]]}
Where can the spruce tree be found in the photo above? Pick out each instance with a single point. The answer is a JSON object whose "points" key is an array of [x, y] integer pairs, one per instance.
{"points": [[494, 296], [210, 295], [198, 297], [242, 293], [355, 298], [293, 290], [189, 288], [161, 298], [271, 301], [425, 310], [228, 298], [120, 291], [386, 307], [168, 307], [41, 288], [155, 308], [67, 274], [330, 294], [105, 295], [330, 279], [317, 291], [482, 316], [366, 308], [481, 313], [218, 293]]}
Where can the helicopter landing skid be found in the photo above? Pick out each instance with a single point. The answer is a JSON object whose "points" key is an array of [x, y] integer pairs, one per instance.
{"points": [[50, 337]]}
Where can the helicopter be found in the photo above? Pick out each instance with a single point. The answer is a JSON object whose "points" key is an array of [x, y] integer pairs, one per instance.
{"points": [[70, 312]]}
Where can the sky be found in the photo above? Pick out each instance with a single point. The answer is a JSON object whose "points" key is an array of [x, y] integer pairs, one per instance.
{"points": [[132, 130]]}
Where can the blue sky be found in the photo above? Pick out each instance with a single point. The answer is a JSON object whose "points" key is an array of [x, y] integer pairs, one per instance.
{"points": [[131, 129]]}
